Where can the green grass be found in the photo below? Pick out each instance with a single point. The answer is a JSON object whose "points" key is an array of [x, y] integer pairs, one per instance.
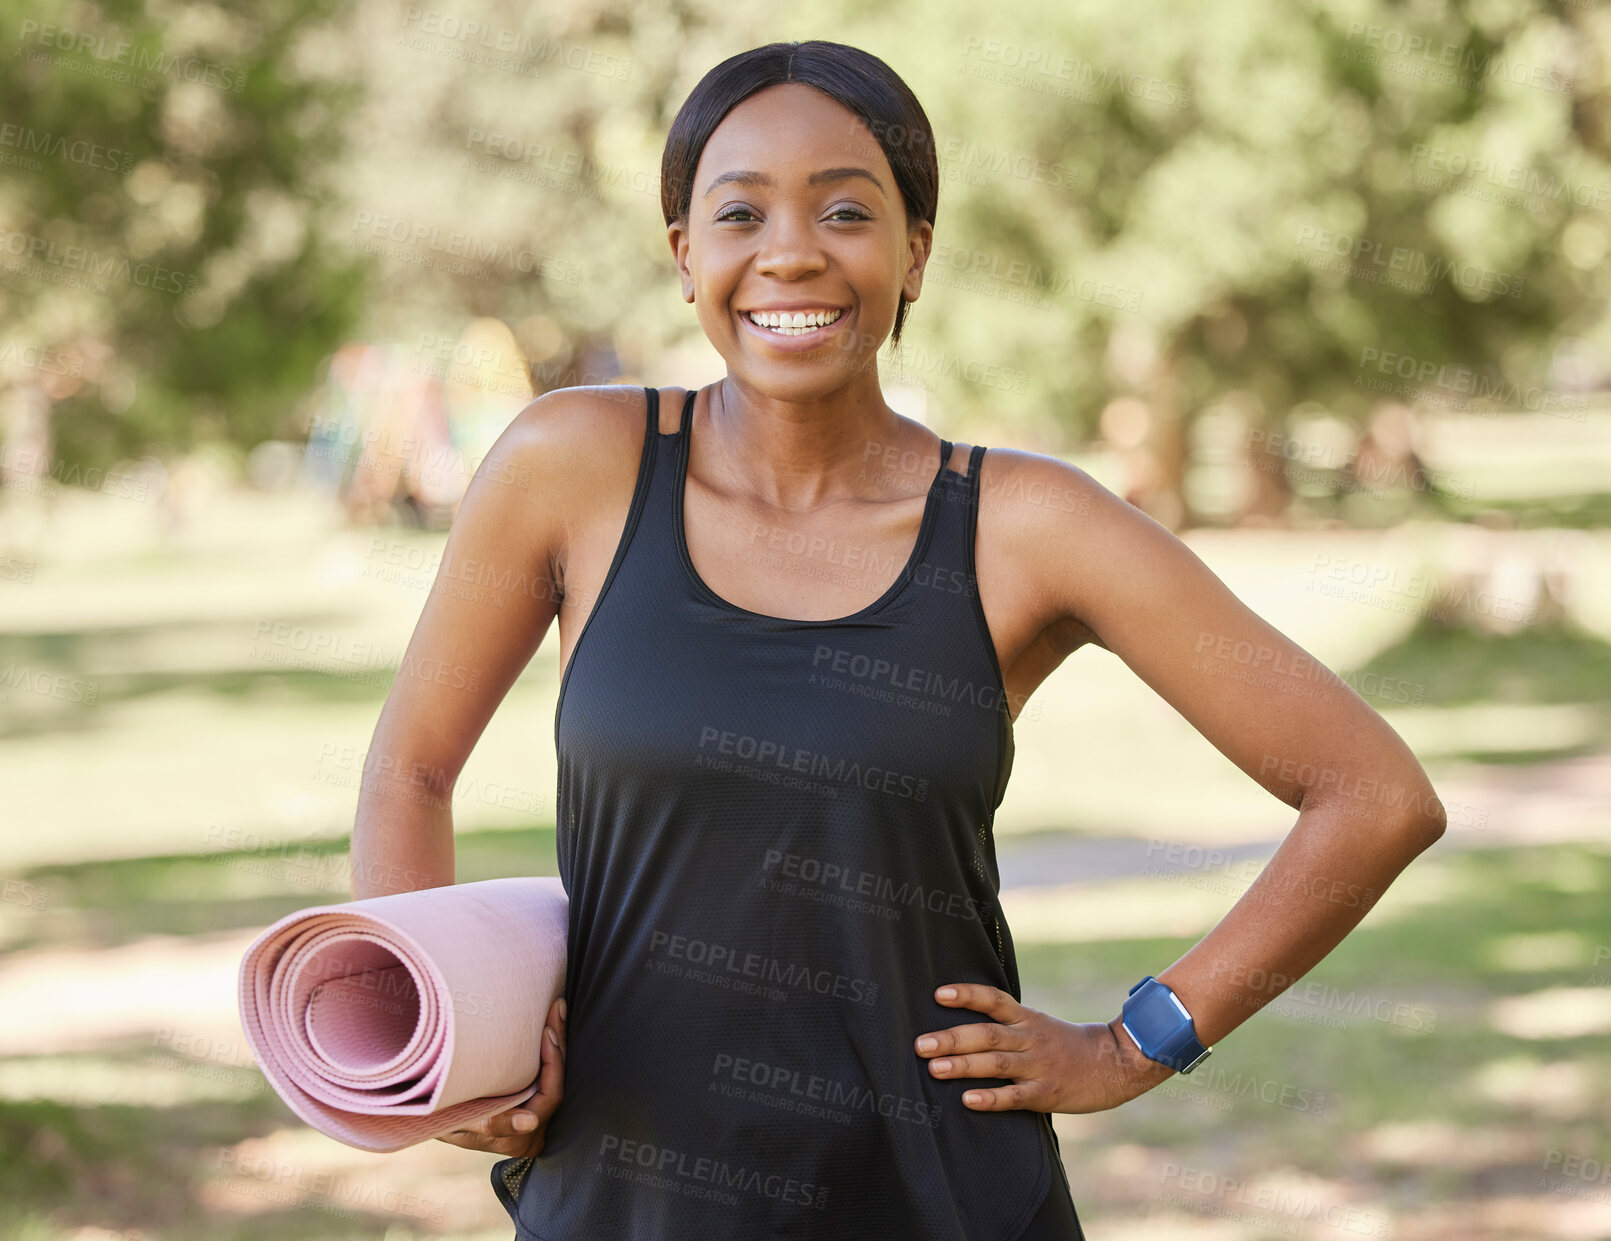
{"points": [[1591, 511], [142, 1170], [1494, 931], [1440, 956], [1365, 509], [101, 904]]}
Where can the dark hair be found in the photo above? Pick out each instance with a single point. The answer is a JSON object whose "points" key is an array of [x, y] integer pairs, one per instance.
{"points": [[859, 80]]}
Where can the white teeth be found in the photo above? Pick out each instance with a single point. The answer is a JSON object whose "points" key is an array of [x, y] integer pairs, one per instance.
{"points": [[794, 323]]}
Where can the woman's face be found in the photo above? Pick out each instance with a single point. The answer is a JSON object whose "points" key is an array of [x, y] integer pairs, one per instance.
{"points": [[795, 208]]}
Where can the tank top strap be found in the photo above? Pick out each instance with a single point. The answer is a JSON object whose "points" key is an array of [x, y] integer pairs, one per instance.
{"points": [[663, 455], [971, 525], [680, 443], [953, 552], [957, 520]]}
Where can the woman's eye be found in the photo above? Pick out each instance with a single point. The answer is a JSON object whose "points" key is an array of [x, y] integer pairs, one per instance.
{"points": [[739, 213]]}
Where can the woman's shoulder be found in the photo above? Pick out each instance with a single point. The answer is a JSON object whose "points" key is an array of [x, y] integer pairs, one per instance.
{"points": [[597, 412], [573, 449], [1045, 482]]}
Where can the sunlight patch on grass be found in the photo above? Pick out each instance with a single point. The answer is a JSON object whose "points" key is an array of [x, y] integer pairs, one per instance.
{"points": [[1558, 1090], [1126, 909], [1443, 1144], [1572, 872], [1513, 1217], [1498, 728], [158, 1080], [1556, 1013], [1542, 950], [55, 1000], [423, 1187], [1283, 1201]]}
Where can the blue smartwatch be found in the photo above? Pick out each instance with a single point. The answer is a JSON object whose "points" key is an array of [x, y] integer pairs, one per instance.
{"points": [[1160, 1025]]}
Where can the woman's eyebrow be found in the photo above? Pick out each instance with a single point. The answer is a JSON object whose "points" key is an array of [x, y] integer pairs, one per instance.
{"points": [[826, 175]]}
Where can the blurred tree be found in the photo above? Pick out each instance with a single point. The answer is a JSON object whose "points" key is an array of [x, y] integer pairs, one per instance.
{"points": [[1191, 206], [1337, 205], [167, 277], [1284, 214]]}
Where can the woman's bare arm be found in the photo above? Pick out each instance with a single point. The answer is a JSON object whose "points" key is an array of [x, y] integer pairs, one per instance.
{"points": [[1365, 806], [499, 585]]}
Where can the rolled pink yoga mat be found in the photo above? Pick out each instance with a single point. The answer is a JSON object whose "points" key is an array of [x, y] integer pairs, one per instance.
{"points": [[391, 1020]]}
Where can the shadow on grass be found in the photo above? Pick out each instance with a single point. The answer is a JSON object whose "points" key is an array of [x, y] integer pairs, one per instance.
{"points": [[55, 692], [1458, 666], [51, 690], [102, 904], [1586, 511], [145, 1171]]}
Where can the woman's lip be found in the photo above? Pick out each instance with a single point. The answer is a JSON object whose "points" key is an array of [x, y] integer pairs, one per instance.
{"points": [[790, 310], [794, 344]]}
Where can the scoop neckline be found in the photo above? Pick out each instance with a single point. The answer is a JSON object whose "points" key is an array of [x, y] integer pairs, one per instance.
{"points": [[924, 531]]}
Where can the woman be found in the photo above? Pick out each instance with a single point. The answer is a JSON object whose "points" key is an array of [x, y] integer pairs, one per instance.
{"points": [[795, 629]]}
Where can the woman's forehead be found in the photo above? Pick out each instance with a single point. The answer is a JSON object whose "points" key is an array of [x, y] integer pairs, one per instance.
{"points": [[788, 136]]}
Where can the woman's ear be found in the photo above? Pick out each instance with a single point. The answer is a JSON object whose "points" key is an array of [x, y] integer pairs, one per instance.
{"points": [[919, 240], [677, 235]]}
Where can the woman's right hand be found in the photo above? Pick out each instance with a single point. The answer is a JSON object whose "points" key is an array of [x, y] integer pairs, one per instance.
{"points": [[519, 1132]]}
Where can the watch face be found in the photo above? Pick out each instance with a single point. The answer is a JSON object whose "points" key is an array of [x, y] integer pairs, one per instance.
{"points": [[1154, 1019]]}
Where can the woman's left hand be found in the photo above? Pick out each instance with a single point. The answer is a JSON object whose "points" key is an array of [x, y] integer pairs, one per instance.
{"points": [[1054, 1065]]}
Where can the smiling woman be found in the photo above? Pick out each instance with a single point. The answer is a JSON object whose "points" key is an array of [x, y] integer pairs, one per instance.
{"points": [[795, 631], [794, 852], [876, 196]]}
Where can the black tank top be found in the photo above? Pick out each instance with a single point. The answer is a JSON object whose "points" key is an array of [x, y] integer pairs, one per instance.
{"points": [[776, 839]]}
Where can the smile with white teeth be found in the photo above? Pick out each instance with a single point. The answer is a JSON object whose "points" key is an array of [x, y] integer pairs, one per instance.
{"points": [[793, 323]]}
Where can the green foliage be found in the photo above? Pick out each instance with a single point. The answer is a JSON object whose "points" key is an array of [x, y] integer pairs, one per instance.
{"points": [[1197, 205], [1219, 158], [171, 179]]}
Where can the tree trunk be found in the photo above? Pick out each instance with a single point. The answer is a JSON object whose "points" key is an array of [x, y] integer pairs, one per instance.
{"points": [[1165, 501]]}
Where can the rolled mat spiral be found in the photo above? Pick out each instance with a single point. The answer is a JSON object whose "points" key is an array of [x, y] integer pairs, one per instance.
{"points": [[387, 1021]]}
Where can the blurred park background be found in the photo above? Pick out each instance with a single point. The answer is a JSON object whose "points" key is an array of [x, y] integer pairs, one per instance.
{"points": [[1323, 287]]}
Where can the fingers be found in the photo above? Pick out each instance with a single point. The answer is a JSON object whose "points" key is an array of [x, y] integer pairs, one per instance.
{"points": [[1003, 1054], [991, 1001], [1006, 1055], [1028, 1094], [516, 1122], [496, 1134], [999, 1063], [478, 1142], [511, 1132], [551, 1073], [1003, 1032], [982, 1048]]}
